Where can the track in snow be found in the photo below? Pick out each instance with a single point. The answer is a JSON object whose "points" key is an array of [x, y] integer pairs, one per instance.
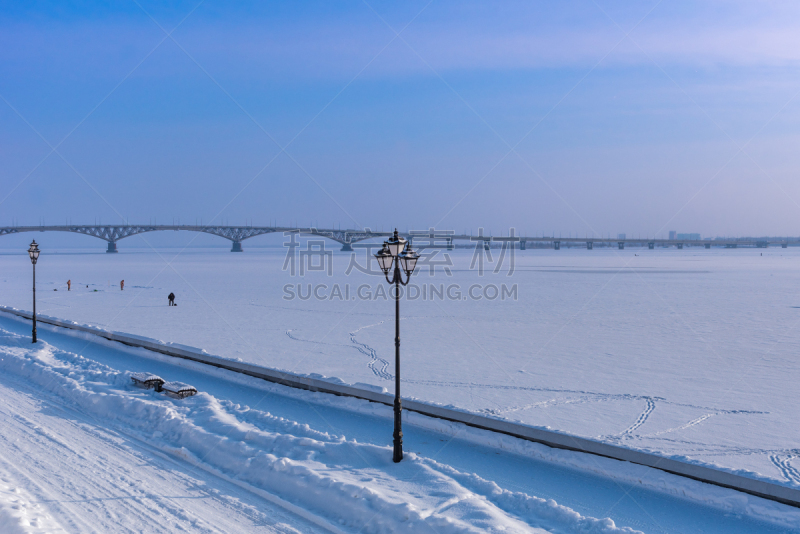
{"points": [[650, 405], [789, 472], [690, 424], [377, 365]]}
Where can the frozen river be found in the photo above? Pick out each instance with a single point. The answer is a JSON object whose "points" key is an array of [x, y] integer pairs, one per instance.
{"points": [[690, 353]]}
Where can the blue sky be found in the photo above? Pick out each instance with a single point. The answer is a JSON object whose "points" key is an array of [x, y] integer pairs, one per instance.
{"points": [[570, 117]]}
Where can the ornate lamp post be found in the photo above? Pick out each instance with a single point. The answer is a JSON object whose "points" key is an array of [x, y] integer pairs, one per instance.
{"points": [[33, 252], [395, 252]]}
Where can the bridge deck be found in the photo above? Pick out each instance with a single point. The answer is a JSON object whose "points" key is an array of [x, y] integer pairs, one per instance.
{"points": [[237, 234]]}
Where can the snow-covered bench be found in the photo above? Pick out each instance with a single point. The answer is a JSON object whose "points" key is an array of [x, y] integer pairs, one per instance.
{"points": [[178, 390], [147, 380]]}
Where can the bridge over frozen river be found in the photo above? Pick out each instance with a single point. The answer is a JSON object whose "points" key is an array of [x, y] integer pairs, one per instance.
{"points": [[427, 238]]}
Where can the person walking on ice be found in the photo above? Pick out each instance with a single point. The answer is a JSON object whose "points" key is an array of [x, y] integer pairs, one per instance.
{"points": [[69, 285], [171, 298], [122, 285]]}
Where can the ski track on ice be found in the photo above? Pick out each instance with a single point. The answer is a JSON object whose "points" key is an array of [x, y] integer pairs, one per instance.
{"points": [[292, 336], [540, 404], [687, 446], [690, 424]]}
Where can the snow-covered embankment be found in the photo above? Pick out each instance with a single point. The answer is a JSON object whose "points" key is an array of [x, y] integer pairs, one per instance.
{"points": [[335, 482]]}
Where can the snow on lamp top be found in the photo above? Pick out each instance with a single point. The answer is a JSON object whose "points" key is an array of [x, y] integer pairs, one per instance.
{"points": [[396, 244]]}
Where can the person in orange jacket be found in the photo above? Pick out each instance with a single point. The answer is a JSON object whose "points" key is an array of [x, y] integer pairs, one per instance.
{"points": [[121, 285], [69, 285]]}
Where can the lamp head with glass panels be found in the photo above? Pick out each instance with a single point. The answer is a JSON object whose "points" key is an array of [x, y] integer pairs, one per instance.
{"points": [[385, 258], [33, 252]]}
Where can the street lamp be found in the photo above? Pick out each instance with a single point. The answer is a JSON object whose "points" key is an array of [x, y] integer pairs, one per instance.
{"points": [[33, 252], [396, 251]]}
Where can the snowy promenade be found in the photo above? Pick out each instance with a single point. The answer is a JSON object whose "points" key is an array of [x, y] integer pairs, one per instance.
{"points": [[84, 451]]}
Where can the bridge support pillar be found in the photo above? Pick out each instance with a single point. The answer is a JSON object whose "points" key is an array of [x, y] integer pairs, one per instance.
{"points": [[112, 246], [347, 247], [680, 246], [784, 245], [621, 245], [522, 245], [589, 245], [557, 245], [237, 247], [708, 245], [651, 246]]}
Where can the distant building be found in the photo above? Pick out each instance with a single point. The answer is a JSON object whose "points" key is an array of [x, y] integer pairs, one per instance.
{"points": [[672, 235], [689, 237], [620, 236]]}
